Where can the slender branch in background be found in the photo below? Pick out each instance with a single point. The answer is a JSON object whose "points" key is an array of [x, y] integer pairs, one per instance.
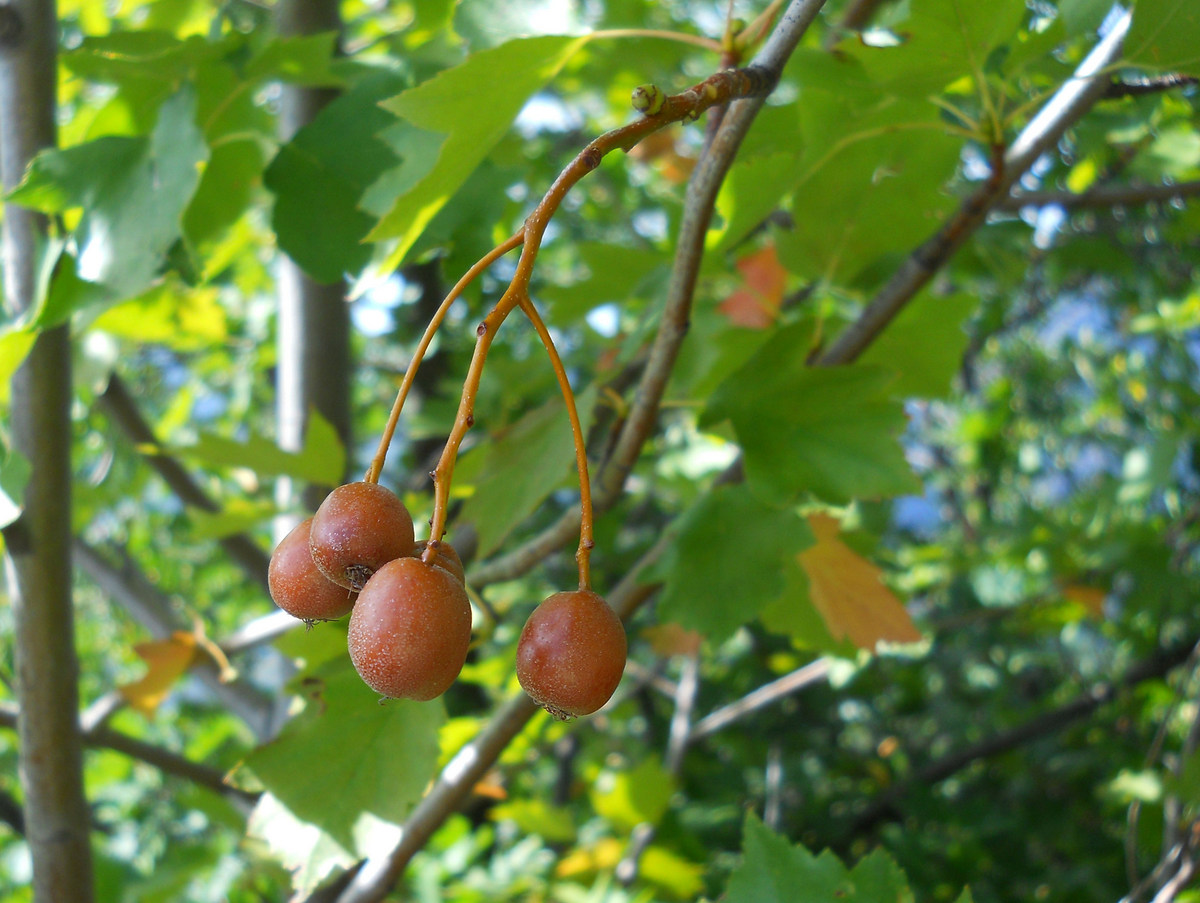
{"points": [[163, 759], [883, 807], [773, 785], [768, 694], [1154, 84], [119, 405], [677, 743], [128, 586], [705, 182], [38, 543], [377, 877], [313, 333], [1081, 92], [1101, 196]]}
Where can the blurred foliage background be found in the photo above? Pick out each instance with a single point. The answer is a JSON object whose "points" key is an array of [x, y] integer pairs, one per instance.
{"points": [[933, 611]]}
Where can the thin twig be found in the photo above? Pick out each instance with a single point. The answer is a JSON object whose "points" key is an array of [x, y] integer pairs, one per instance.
{"points": [[768, 694], [163, 759], [1101, 196], [118, 403]]}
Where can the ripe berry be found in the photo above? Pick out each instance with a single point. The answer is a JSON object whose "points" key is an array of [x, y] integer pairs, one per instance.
{"points": [[298, 587], [447, 559], [358, 529], [410, 630], [571, 653]]}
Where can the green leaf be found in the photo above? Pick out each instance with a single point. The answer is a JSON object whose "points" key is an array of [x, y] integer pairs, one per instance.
{"points": [[169, 314], [332, 783], [322, 460], [473, 105], [828, 431], [924, 345], [309, 853], [793, 615], [238, 516], [536, 816], [943, 41], [633, 797], [133, 192], [728, 560], [515, 472], [613, 273], [15, 345], [299, 60], [773, 869], [14, 476], [1165, 34], [320, 175]]}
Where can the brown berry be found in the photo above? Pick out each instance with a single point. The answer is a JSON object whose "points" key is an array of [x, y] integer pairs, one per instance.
{"points": [[358, 529], [410, 630], [298, 587], [571, 653], [447, 559]]}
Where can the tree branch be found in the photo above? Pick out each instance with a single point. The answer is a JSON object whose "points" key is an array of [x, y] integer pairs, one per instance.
{"points": [[768, 694], [1086, 86], [1050, 722], [705, 182], [163, 759], [38, 544], [121, 408], [1102, 196]]}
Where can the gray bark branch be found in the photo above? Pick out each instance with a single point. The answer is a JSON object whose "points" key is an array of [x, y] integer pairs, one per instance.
{"points": [[38, 544]]}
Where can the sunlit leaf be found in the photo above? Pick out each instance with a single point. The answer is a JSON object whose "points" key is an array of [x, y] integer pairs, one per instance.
{"points": [[924, 345], [167, 660], [331, 783], [473, 105], [849, 593], [629, 798], [133, 192]]}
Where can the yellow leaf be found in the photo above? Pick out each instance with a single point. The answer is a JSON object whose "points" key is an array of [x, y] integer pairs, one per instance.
{"points": [[167, 660], [1090, 597], [847, 591], [671, 639]]}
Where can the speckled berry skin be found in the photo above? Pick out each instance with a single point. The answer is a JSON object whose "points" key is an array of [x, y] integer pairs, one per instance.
{"points": [[571, 653], [298, 587], [410, 630], [358, 529]]}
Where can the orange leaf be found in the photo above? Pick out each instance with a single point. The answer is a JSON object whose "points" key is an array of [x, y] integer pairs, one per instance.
{"points": [[756, 304], [847, 591], [1090, 597], [167, 661], [672, 639]]}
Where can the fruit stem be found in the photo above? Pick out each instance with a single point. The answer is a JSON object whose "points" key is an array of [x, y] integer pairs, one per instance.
{"points": [[687, 106], [410, 374], [583, 555]]}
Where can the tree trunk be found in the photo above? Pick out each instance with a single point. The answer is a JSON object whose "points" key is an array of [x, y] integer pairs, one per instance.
{"points": [[38, 545], [314, 319]]}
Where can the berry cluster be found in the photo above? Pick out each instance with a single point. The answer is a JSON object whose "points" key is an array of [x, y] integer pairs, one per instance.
{"points": [[410, 622], [410, 618]]}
